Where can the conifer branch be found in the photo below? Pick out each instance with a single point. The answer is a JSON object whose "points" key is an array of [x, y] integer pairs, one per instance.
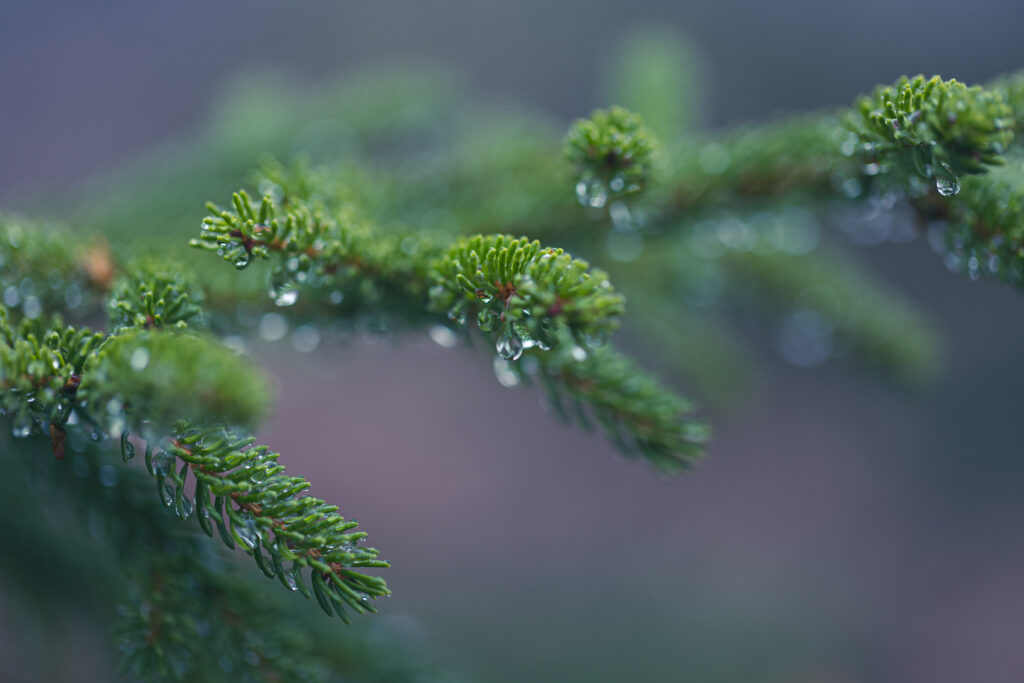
{"points": [[524, 298]]}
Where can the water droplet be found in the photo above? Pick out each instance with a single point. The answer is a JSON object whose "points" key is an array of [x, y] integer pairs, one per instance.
{"points": [[618, 183], [289, 578], [973, 267], [578, 353], [184, 510], [282, 290], [336, 297], [457, 316], [162, 463], [993, 264], [242, 259], [872, 168], [247, 533], [484, 296], [286, 295], [591, 192], [127, 448], [22, 425], [947, 185], [509, 346], [139, 359], [166, 493], [442, 336]]}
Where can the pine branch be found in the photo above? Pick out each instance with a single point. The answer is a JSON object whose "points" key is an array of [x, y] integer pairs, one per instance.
{"points": [[242, 491]]}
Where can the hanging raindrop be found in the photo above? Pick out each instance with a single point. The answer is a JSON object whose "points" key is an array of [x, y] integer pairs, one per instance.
{"points": [[241, 259], [247, 533], [509, 345], [184, 509], [457, 315], [166, 493], [283, 290], [948, 186], [591, 192], [22, 425], [946, 181], [127, 447], [162, 463]]}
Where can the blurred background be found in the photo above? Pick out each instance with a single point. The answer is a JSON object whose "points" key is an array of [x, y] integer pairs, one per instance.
{"points": [[841, 530]]}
